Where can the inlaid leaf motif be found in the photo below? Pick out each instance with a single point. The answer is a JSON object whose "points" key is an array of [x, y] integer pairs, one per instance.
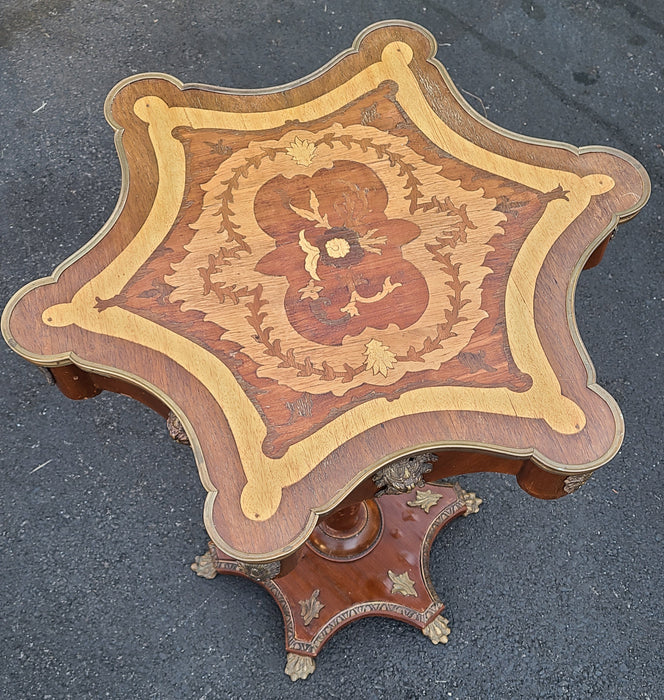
{"points": [[402, 583], [372, 243], [380, 358], [313, 213], [301, 151], [313, 255], [310, 291]]}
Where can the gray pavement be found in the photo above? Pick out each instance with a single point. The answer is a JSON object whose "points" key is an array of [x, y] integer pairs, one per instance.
{"points": [[100, 514]]}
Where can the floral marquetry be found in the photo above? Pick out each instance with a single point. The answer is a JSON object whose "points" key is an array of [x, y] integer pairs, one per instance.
{"points": [[321, 279]]}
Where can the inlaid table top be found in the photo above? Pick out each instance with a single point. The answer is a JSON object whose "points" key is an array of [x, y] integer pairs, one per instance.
{"points": [[323, 277]]}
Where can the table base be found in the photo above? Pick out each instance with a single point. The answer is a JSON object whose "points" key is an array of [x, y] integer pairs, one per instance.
{"points": [[322, 592]]}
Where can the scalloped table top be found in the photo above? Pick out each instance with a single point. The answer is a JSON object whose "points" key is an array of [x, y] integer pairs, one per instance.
{"points": [[323, 277]]}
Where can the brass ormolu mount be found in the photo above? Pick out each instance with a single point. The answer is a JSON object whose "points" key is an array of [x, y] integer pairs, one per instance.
{"points": [[360, 547]]}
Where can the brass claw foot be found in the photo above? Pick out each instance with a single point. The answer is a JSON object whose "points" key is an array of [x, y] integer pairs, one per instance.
{"points": [[472, 502], [299, 666], [204, 566], [437, 630]]}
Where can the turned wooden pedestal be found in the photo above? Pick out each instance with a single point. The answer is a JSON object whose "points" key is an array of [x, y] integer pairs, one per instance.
{"points": [[335, 290]]}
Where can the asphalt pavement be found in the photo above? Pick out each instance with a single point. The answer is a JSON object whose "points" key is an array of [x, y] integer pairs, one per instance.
{"points": [[101, 514]]}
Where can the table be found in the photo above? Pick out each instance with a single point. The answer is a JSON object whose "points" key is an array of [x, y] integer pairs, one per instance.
{"points": [[340, 292]]}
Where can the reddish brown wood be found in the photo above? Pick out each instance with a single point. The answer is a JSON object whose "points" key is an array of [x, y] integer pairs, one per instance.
{"points": [[597, 254], [316, 281], [348, 533], [485, 361], [135, 392], [74, 382], [355, 202], [350, 590]]}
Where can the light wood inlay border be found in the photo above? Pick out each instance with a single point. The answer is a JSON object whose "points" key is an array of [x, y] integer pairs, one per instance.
{"points": [[266, 478]]}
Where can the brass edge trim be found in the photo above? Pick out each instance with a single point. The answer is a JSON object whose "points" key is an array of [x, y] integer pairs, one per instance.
{"points": [[581, 348], [451, 511], [417, 89], [616, 219], [61, 358], [531, 453], [492, 126], [289, 85], [370, 608], [114, 373]]}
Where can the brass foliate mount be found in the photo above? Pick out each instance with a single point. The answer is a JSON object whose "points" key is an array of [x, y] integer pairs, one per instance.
{"points": [[203, 566], [424, 500], [471, 501], [176, 429], [402, 584], [310, 608], [575, 481], [260, 571], [403, 475]]}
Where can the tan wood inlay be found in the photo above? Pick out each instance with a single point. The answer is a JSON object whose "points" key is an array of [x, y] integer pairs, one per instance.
{"points": [[267, 477], [344, 256]]}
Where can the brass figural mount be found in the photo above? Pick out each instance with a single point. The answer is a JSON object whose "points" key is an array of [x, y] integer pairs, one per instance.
{"points": [[331, 291]]}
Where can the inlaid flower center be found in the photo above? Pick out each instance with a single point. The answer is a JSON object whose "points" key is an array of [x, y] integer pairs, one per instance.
{"points": [[337, 247]]}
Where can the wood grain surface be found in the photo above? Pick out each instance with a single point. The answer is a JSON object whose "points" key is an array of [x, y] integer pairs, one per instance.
{"points": [[320, 596], [320, 278]]}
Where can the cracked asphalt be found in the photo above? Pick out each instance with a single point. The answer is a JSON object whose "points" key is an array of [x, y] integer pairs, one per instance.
{"points": [[101, 514]]}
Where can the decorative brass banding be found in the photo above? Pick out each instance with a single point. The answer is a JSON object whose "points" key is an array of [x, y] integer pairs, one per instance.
{"points": [[379, 237]]}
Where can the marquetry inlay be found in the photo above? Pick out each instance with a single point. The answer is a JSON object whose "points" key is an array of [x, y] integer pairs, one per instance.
{"points": [[323, 260]]}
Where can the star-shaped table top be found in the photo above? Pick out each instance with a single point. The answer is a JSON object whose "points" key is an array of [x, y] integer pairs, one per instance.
{"points": [[323, 277]]}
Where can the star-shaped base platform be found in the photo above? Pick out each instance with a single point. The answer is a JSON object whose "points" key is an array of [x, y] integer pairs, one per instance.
{"points": [[326, 590]]}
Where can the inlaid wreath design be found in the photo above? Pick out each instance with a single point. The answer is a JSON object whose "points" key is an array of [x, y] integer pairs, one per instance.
{"points": [[378, 358], [303, 152]]}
